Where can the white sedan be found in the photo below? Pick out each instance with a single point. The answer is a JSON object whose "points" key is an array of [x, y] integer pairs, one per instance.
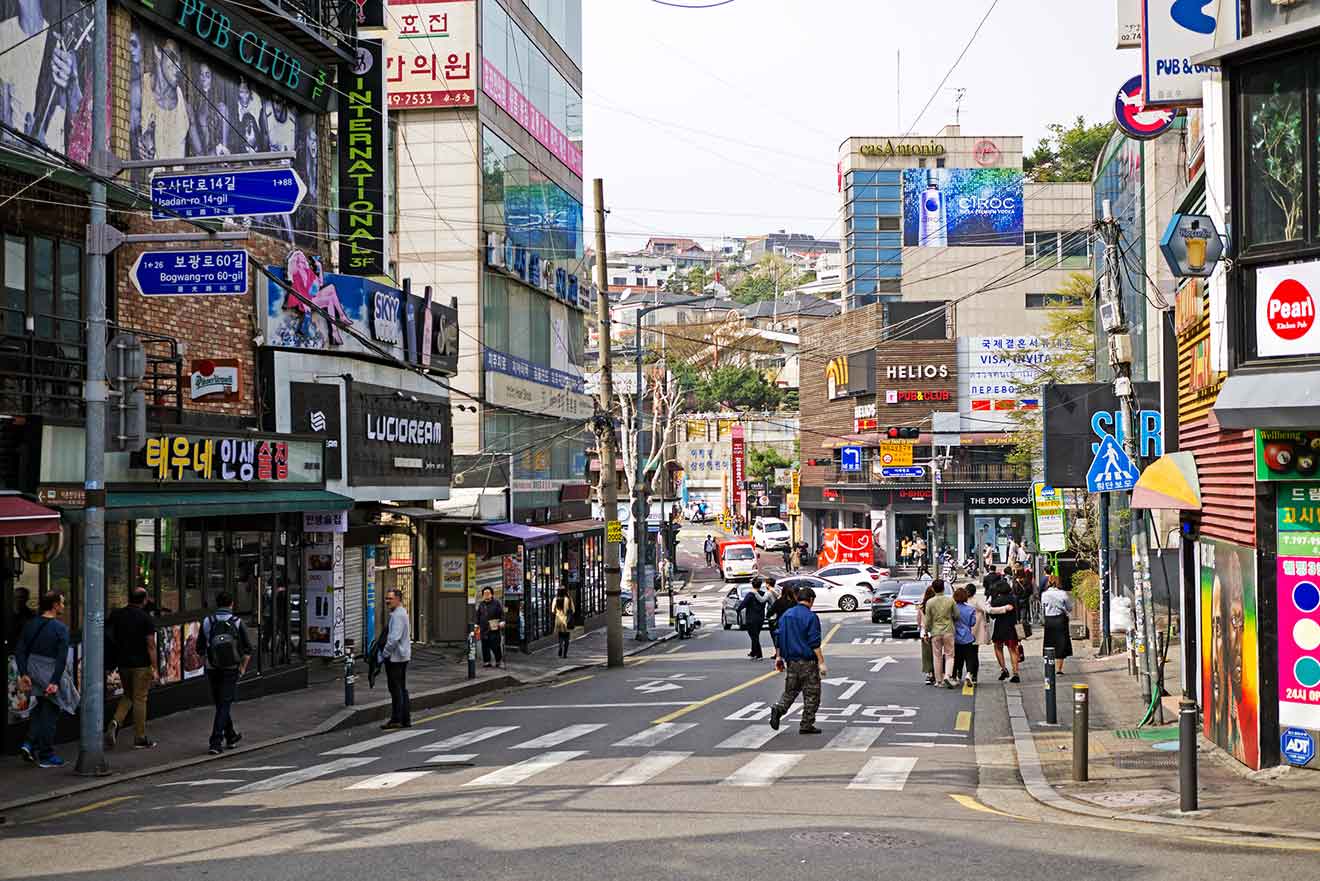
{"points": [[844, 597], [859, 575]]}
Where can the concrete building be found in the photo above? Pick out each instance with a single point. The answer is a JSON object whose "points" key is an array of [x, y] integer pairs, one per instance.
{"points": [[786, 243]]}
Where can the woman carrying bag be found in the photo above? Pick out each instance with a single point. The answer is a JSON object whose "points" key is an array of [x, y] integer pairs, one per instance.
{"points": [[563, 609], [42, 655], [1056, 605]]}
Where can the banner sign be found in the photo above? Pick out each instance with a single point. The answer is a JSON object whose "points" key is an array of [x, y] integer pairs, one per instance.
{"points": [[738, 445], [429, 49], [1079, 416], [962, 207], [186, 458], [315, 410], [394, 441], [363, 162], [1174, 32], [1287, 455], [1051, 520], [1285, 309]]}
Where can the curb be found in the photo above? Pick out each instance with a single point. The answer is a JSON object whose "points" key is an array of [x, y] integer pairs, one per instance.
{"points": [[1039, 788], [348, 717]]}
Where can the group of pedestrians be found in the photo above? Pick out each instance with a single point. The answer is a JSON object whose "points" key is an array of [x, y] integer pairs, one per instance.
{"points": [[912, 552], [954, 627]]}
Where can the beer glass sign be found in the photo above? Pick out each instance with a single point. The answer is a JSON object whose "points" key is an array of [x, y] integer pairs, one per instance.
{"points": [[1191, 245]]}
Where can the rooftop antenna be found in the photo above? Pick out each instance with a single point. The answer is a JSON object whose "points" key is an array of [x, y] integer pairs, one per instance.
{"points": [[958, 95]]}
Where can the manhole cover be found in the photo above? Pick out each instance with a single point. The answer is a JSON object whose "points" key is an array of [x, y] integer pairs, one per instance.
{"points": [[1152, 761], [853, 839], [1133, 798]]}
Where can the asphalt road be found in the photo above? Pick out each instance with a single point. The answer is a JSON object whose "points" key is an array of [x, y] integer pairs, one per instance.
{"points": [[664, 768]]}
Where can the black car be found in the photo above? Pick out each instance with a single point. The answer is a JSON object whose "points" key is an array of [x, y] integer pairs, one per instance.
{"points": [[882, 600]]}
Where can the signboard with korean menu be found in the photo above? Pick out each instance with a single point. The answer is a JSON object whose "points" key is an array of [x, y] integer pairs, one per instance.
{"points": [[186, 458], [428, 54]]}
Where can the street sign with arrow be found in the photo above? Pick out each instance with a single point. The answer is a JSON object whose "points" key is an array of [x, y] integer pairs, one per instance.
{"points": [[247, 193]]}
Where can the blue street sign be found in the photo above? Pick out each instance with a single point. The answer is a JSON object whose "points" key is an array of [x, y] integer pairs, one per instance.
{"points": [[1112, 470], [1297, 746], [850, 459], [251, 193], [906, 471], [185, 273]]}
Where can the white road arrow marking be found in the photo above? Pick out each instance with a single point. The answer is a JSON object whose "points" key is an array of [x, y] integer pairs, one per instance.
{"points": [[856, 686], [653, 687], [208, 782], [880, 663]]}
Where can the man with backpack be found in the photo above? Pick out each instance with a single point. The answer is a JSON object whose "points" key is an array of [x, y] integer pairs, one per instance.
{"points": [[131, 646], [223, 641]]}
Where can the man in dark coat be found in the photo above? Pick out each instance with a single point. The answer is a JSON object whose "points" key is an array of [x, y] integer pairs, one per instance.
{"points": [[753, 610]]}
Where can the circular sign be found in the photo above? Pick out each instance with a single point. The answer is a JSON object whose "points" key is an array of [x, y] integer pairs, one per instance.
{"points": [[1307, 671], [362, 61], [1290, 311], [1135, 118], [985, 153], [1306, 633], [1306, 596], [887, 458]]}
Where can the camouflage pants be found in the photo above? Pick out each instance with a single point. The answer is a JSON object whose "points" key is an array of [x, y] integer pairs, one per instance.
{"points": [[804, 677]]}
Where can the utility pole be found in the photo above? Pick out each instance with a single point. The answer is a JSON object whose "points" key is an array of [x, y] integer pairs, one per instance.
{"points": [[91, 751], [603, 425]]}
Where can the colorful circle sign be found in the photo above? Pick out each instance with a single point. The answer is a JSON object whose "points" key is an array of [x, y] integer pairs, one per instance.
{"points": [[1307, 671], [1135, 118], [1306, 633], [1306, 596], [1290, 310]]}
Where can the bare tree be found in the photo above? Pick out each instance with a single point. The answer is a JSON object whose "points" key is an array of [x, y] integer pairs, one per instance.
{"points": [[661, 387]]}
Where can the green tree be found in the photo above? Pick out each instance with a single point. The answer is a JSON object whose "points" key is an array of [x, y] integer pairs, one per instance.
{"points": [[739, 388], [1067, 153], [772, 273], [762, 462]]}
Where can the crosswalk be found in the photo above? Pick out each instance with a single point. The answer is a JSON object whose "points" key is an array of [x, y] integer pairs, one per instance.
{"points": [[748, 756]]}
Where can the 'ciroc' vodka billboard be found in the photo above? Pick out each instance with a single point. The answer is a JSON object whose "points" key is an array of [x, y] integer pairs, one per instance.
{"points": [[962, 207]]}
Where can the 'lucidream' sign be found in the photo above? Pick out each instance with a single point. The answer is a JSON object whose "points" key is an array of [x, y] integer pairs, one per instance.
{"points": [[396, 440], [230, 35]]}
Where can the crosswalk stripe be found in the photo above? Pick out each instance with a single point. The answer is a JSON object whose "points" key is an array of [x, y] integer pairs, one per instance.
{"points": [[375, 743], [751, 737], [888, 773], [563, 735], [854, 739], [511, 775], [656, 734], [466, 739], [451, 758], [763, 770], [648, 766], [302, 775], [388, 781], [209, 781]]}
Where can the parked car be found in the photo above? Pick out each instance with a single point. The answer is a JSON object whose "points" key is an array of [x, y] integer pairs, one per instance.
{"points": [[829, 596], [730, 617], [882, 600], [771, 533], [626, 601], [860, 575], [904, 618]]}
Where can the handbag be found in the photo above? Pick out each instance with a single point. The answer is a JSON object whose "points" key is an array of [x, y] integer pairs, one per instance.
{"points": [[1022, 632]]}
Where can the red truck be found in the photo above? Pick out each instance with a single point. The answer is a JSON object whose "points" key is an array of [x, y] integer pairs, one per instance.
{"points": [[846, 546], [736, 558]]}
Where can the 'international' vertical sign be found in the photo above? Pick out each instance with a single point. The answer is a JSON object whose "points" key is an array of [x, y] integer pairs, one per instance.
{"points": [[362, 159]]}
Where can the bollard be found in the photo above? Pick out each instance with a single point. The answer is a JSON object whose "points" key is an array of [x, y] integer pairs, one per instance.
{"points": [[1051, 693], [1187, 755], [1081, 723], [472, 651], [349, 676]]}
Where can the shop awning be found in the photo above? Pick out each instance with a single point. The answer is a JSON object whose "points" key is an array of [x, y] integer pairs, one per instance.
{"points": [[573, 526], [18, 517], [531, 536], [1170, 482], [147, 505], [1286, 399]]}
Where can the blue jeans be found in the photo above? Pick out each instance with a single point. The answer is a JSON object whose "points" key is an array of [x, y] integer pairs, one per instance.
{"points": [[41, 727], [224, 686]]}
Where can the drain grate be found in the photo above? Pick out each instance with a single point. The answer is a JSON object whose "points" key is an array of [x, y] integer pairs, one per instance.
{"points": [[852, 839], [1153, 761], [1147, 734]]}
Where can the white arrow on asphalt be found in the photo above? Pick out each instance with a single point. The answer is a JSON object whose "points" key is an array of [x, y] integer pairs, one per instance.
{"points": [[653, 687], [857, 685], [879, 664], [210, 781]]}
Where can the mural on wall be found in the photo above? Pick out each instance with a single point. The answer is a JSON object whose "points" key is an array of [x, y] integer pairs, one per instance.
{"points": [[182, 103], [46, 75], [1229, 659]]}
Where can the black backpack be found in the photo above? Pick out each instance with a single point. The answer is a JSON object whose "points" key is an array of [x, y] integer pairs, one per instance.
{"points": [[222, 651]]}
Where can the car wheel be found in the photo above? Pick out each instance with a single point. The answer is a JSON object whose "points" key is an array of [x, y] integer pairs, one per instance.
{"points": [[848, 603], [628, 608]]}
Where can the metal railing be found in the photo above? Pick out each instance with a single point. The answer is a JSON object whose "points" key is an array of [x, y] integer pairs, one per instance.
{"points": [[43, 361]]}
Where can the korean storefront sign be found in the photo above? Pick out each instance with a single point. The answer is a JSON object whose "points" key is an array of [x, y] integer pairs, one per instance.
{"points": [[1298, 576], [864, 418], [362, 162], [497, 86], [325, 521], [428, 54], [515, 382], [315, 410], [230, 35], [397, 440], [738, 452], [1287, 455], [201, 459]]}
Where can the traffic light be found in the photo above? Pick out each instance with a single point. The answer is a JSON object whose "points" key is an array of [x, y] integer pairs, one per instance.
{"points": [[906, 433]]}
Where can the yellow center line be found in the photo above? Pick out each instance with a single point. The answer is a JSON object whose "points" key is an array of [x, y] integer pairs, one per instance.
{"points": [[972, 804], [969, 690], [674, 649], [964, 722], [82, 810], [833, 630], [571, 681], [456, 712], [637, 662], [683, 711], [1276, 844]]}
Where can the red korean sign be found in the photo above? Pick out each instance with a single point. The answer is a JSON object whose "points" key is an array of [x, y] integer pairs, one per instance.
{"points": [[739, 445], [428, 54]]}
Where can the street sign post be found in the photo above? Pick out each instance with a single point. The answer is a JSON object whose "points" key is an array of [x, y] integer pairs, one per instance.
{"points": [[183, 273], [899, 454], [251, 193], [1112, 470], [909, 471], [850, 459]]}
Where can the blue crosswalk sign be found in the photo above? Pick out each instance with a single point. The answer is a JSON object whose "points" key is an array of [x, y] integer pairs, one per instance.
{"points": [[1112, 470]]}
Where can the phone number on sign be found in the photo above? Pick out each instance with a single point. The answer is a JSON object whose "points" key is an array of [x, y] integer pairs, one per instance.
{"points": [[438, 98]]}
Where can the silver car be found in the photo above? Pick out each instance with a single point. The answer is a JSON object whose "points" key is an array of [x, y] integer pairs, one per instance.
{"points": [[730, 617], [904, 619]]}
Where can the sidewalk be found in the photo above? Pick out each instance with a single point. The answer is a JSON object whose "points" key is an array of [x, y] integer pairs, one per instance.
{"points": [[436, 677], [1134, 772]]}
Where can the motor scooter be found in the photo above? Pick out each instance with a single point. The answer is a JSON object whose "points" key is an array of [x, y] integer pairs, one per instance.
{"points": [[685, 619]]}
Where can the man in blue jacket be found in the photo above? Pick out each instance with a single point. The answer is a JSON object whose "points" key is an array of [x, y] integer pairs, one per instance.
{"points": [[41, 653], [800, 656]]}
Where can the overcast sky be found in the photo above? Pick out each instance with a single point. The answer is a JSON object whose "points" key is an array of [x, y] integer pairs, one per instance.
{"points": [[705, 122]]}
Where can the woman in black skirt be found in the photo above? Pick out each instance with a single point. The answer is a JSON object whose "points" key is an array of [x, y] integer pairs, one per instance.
{"points": [[1055, 604]]}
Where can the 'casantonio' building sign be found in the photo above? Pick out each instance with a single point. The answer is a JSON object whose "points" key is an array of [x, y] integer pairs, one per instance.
{"points": [[889, 148]]}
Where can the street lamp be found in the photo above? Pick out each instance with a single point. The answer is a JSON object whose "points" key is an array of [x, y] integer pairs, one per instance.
{"points": [[640, 628]]}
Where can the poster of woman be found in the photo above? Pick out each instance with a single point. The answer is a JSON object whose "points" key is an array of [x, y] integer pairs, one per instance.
{"points": [[1229, 653], [45, 75]]}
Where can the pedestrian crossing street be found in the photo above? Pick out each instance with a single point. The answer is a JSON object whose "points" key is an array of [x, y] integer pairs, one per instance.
{"points": [[753, 747]]}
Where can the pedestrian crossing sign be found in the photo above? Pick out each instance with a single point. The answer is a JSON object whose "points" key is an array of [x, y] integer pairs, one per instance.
{"points": [[1112, 470]]}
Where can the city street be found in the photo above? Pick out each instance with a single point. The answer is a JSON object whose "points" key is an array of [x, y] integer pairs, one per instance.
{"points": [[664, 767]]}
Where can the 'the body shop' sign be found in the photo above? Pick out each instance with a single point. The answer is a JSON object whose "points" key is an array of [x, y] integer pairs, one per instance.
{"points": [[1286, 310]]}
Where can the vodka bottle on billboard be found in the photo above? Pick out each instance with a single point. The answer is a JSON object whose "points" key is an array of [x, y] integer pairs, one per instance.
{"points": [[934, 219]]}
